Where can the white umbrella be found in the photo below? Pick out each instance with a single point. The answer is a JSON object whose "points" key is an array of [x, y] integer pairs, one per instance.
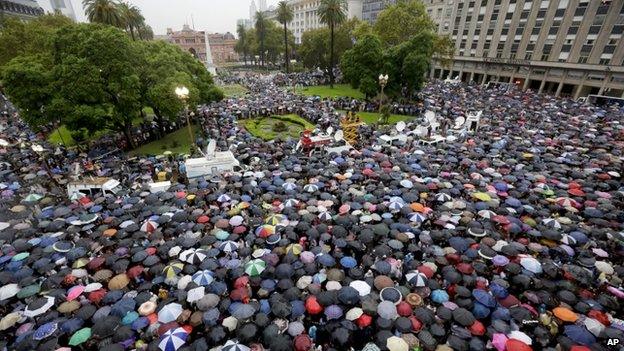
{"points": [[195, 294], [531, 264], [173, 339], [39, 306], [361, 286], [8, 291], [169, 313], [234, 346]]}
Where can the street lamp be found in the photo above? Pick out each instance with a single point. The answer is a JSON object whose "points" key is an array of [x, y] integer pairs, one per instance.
{"points": [[183, 93]]}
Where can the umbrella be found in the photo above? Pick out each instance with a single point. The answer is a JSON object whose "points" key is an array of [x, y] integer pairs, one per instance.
{"points": [[193, 256], [45, 330], [8, 291], [173, 339], [265, 231], [173, 269], [255, 267], [169, 313], [39, 306], [228, 246], [80, 337], [203, 278], [232, 345]]}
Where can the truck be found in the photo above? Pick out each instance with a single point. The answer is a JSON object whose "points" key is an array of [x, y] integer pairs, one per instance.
{"points": [[93, 186], [212, 163]]}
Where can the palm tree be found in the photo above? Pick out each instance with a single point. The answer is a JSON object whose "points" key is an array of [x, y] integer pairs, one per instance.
{"points": [[261, 33], [242, 41], [103, 11], [131, 16], [332, 13], [285, 16], [145, 32]]}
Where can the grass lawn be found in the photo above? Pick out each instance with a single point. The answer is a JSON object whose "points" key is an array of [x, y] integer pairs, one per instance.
{"points": [[373, 117], [55, 138], [339, 90], [233, 90], [264, 127], [157, 147]]}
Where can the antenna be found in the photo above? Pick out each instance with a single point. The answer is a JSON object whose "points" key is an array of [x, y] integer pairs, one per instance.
{"points": [[339, 136], [193, 21], [400, 126], [210, 151]]}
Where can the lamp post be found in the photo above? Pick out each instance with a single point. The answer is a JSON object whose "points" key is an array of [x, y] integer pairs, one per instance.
{"points": [[183, 93]]}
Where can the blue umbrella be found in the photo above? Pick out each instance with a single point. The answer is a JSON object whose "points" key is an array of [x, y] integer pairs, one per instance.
{"points": [[326, 260], [45, 330], [579, 334], [484, 298], [71, 325], [203, 277], [439, 296], [348, 262], [140, 323], [173, 339]]}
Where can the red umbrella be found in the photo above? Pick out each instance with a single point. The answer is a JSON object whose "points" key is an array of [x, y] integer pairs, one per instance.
{"points": [[364, 321], [576, 192], [203, 219], [239, 230], [96, 262], [313, 306], [97, 295], [135, 271], [501, 219], [151, 250], [517, 345], [426, 270], [302, 342]]}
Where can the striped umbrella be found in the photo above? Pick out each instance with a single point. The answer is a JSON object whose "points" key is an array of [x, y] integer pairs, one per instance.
{"points": [[255, 267], [149, 226], [325, 216], [173, 269], [275, 219], [291, 203], [224, 198], [203, 278], [173, 339], [265, 231], [288, 186], [443, 197], [234, 346], [417, 217], [311, 188], [395, 206], [488, 214], [416, 278], [193, 256], [228, 246]]}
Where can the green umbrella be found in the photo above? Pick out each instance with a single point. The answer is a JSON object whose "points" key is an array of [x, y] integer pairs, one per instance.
{"points": [[28, 291], [80, 336], [33, 198], [255, 267]]}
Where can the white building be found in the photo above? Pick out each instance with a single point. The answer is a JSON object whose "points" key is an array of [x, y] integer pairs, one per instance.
{"points": [[252, 11], [305, 15], [65, 7]]}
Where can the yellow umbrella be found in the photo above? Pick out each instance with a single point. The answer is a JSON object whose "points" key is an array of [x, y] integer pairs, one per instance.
{"points": [[295, 249], [118, 282], [81, 262], [10, 320], [173, 269], [482, 196]]}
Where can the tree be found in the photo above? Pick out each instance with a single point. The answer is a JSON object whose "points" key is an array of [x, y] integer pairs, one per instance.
{"points": [[242, 45], [400, 22], [274, 42], [314, 43], [409, 62], [104, 11], [285, 16], [363, 63], [19, 38], [332, 13], [131, 17], [145, 32], [261, 24]]}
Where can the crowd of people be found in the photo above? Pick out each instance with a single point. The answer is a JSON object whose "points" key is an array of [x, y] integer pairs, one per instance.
{"points": [[508, 239]]}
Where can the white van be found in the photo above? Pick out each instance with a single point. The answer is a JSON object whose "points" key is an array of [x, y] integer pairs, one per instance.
{"points": [[93, 186]]}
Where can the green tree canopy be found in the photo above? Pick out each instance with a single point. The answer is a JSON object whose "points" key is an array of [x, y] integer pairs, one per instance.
{"points": [[95, 77], [400, 22], [284, 16], [332, 13], [313, 50], [363, 63]]}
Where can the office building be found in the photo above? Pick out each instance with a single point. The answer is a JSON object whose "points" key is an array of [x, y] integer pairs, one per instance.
{"points": [[65, 7], [559, 47], [306, 18], [252, 11], [372, 8], [262, 5], [441, 12], [246, 23], [22, 9]]}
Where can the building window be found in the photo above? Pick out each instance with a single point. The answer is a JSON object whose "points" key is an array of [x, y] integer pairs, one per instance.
{"points": [[604, 61], [583, 59], [545, 56], [528, 55]]}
